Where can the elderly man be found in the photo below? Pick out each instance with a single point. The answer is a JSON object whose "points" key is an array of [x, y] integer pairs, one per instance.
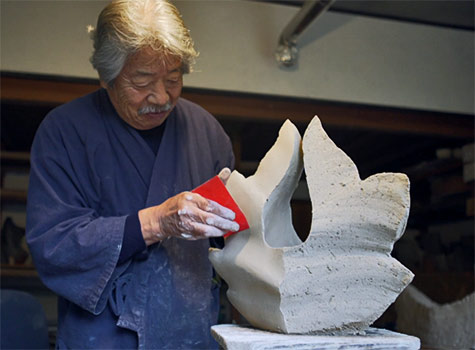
{"points": [[110, 224]]}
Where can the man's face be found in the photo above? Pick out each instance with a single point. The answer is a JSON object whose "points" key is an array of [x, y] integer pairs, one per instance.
{"points": [[147, 89]]}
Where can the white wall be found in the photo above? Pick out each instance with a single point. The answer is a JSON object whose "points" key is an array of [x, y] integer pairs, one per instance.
{"points": [[342, 57]]}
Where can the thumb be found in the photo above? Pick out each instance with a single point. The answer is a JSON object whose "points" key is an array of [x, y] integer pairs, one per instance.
{"points": [[224, 175]]}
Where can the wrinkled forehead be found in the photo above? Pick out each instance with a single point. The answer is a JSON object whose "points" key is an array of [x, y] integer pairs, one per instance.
{"points": [[153, 61]]}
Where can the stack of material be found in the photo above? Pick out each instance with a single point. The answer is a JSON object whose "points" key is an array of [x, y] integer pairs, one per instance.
{"points": [[449, 325]]}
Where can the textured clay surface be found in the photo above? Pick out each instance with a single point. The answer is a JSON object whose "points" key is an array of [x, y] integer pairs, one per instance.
{"points": [[342, 278]]}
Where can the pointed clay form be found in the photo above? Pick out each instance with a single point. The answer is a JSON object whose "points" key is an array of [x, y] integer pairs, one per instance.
{"points": [[343, 277]]}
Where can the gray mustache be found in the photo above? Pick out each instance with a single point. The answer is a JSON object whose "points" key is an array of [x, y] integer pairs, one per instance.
{"points": [[156, 109]]}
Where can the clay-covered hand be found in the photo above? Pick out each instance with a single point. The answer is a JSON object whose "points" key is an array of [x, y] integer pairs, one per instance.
{"points": [[186, 215]]}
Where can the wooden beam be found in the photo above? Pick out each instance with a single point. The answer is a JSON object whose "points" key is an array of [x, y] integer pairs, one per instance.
{"points": [[335, 114], [243, 107], [44, 90]]}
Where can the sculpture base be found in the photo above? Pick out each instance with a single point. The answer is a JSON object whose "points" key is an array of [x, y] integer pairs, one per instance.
{"points": [[236, 337]]}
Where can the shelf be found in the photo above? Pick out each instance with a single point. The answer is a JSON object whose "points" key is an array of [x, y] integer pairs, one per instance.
{"points": [[21, 277], [13, 195], [437, 167], [445, 287], [18, 271], [10, 156]]}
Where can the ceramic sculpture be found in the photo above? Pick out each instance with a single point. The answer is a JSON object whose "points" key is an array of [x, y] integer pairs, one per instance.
{"points": [[342, 278]]}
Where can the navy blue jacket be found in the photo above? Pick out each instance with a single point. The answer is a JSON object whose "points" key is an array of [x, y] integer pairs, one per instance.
{"points": [[89, 171]]}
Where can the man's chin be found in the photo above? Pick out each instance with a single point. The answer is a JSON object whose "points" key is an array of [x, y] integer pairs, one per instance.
{"points": [[152, 120]]}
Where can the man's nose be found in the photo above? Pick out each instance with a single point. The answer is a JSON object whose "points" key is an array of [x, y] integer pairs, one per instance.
{"points": [[158, 95]]}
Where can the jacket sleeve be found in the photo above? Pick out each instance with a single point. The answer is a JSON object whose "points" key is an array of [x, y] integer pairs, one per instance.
{"points": [[75, 251]]}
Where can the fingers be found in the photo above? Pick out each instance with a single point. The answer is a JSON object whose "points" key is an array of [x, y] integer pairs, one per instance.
{"points": [[210, 206], [201, 231], [221, 223], [202, 218], [218, 209]]}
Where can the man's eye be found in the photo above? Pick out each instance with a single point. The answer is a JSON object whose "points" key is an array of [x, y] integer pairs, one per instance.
{"points": [[141, 84], [173, 81]]}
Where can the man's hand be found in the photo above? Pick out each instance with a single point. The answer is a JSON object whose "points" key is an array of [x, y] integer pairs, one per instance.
{"points": [[186, 215]]}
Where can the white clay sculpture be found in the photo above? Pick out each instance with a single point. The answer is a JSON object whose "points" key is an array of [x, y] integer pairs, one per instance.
{"points": [[342, 278]]}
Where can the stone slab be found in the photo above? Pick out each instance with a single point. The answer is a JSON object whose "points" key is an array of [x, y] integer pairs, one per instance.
{"points": [[237, 337]]}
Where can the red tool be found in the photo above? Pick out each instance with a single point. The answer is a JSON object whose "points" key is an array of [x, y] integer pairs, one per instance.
{"points": [[215, 190]]}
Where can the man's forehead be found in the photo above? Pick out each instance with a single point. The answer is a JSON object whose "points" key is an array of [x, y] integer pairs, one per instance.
{"points": [[146, 62], [151, 72]]}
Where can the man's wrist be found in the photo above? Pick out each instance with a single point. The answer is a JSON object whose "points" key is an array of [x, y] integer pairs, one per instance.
{"points": [[150, 226]]}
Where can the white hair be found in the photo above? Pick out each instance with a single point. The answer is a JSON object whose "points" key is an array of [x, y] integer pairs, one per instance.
{"points": [[127, 26]]}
